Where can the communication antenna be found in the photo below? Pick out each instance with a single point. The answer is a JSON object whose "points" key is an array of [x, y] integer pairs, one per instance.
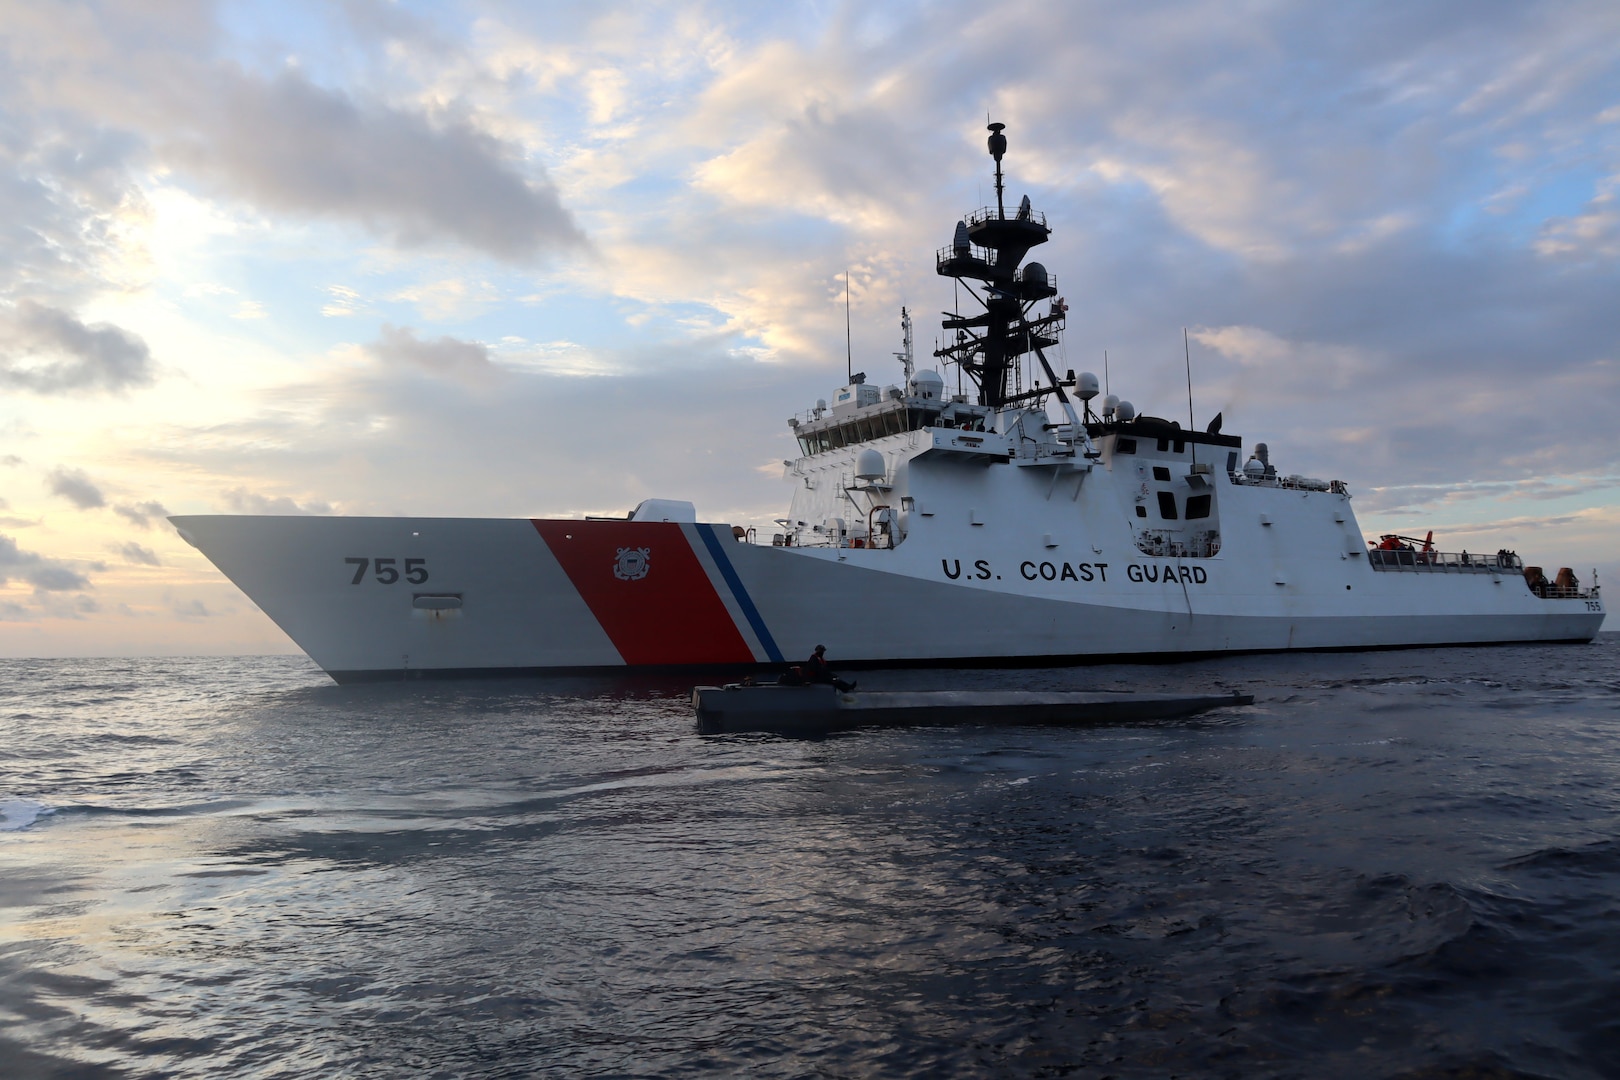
{"points": [[1105, 371], [849, 348], [1186, 351]]}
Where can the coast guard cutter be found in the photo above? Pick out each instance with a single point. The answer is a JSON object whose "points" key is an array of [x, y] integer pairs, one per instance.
{"points": [[926, 527]]}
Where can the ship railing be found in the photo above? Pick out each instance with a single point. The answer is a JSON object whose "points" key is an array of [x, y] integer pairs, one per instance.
{"points": [[1445, 562], [1177, 545], [1290, 483], [879, 542], [990, 213], [949, 254]]}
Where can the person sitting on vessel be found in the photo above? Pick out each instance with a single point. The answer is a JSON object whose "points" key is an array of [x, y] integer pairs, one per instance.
{"points": [[817, 671]]}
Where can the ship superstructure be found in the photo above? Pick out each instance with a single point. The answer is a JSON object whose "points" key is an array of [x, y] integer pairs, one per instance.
{"points": [[999, 522]]}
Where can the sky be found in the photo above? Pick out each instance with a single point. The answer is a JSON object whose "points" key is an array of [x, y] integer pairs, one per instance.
{"points": [[537, 259]]}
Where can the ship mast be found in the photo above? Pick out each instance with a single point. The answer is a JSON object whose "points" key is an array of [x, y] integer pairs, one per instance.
{"points": [[989, 247], [907, 360]]}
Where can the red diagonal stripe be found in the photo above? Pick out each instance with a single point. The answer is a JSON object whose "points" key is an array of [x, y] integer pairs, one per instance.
{"points": [[671, 616]]}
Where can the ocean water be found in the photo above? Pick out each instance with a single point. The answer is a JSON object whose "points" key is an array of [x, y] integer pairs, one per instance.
{"points": [[1392, 865]]}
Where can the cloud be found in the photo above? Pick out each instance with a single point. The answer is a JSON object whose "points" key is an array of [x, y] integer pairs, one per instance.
{"points": [[68, 195], [141, 514], [56, 578], [45, 350], [243, 501], [74, 486], [449, 299], [1308, 365], [135, 553], [48, 575], [396, 346], [344, 302], [95, 104], [676, 433], [1595, 232], [193, 609], [288, 145]]}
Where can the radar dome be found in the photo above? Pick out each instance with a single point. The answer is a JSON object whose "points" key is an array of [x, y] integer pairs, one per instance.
{"points": [[1110, 404], [869, 466], [1125, 410], [960, 243], [1035, 274], [1086, 386], [929, 385]]}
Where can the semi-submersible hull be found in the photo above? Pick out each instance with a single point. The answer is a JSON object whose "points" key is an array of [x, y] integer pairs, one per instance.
{"points": [[925, 528]]}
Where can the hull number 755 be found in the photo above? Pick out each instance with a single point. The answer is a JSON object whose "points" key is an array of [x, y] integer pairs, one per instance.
{"points": [[387, 571]]}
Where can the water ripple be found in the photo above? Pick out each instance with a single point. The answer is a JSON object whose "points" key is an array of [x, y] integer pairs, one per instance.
{"points": [[1392, 865]]}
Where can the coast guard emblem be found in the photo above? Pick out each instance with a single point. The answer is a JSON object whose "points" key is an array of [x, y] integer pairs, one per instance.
{"points": [[632, 564]]}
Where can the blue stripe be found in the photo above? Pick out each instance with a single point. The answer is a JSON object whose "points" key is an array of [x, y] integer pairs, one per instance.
{"points": [[712, 538]]}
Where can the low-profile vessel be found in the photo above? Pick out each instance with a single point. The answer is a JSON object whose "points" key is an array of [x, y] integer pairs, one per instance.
{"points": [[824, 709], [995, 524]]}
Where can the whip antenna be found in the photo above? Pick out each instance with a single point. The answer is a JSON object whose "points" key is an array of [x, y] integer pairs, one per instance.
{"points": [[849, 349], [1186, 351]]}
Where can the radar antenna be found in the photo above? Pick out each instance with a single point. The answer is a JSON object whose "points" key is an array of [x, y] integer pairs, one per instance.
{"points": [[998, 147]]}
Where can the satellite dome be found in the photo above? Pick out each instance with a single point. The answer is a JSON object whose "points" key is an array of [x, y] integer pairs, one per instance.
{"points": [[870, 466], [928, 385], [1035, 274], [1086, 387], [1125, 410], [1110, 404]]}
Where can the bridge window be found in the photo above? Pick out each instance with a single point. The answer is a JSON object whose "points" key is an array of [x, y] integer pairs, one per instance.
{"points": [[1167, 505], [1141, 511], [1197, 506], [1124, 446], [1160, 472]]}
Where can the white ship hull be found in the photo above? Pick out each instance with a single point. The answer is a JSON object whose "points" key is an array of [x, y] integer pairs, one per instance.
{"points": [[544, 596]]}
